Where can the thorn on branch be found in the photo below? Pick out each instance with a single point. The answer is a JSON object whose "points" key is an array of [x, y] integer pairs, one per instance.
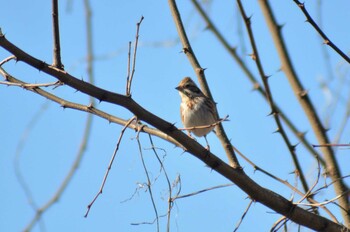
{"points": [[303, 93], [185, 50], [253, 56], [278, 130], [201, 70]]}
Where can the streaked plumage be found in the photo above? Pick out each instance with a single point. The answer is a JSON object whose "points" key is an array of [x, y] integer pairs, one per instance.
{"points": [[196, 109]]}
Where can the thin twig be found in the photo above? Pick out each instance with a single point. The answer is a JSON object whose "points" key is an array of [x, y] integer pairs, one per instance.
{"points": [[326, 40], [29, 86], [206, 126], [170, 203], [201, 191], [7, 60], [128, 68], [243, 215], [56, 37], [149, 185], [109, 165], [331, 145], [128, 89]]}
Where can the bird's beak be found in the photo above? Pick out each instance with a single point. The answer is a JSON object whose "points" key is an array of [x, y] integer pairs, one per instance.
{"points": [[178, 88]]}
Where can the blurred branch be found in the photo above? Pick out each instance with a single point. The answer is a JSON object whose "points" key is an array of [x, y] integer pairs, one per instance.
{"points": [[274, 112], [326, 40], [16, 163], [187, 49], [267, 197], [304, 100], [233, 52], [56, 37]]}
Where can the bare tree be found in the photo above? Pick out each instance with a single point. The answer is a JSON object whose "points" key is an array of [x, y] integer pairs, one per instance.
{"points": [[315, 204]]}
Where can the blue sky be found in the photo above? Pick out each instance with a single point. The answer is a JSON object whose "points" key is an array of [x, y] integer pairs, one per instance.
{"points": [[53, 140]]}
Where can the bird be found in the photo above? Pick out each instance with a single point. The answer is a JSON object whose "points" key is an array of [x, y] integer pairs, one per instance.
{"points": [[197, 111]]}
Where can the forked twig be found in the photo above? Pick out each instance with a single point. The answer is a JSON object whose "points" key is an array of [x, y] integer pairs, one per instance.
{"points": [[109, 165], [130, 77]]}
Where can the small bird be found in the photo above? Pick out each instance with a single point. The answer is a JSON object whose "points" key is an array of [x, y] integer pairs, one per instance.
{"points": [[196, 109]]}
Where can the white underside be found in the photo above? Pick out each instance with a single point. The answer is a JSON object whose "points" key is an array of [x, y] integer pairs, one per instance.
{"points": [[197, 117]]}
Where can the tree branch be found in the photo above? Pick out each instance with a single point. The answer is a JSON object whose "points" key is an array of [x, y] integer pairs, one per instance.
{"points": [[56, 37]]}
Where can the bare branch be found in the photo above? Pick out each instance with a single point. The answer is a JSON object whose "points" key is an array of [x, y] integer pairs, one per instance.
{"points": [[129, 80], [326, 40], [56, 37], [243, 215], [109, 165], [274, 112], [206, 126], [201, 191], [148, 180], [31, 86]]}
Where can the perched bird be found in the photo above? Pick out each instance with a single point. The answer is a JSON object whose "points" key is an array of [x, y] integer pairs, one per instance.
{"points": [[197, 110]]}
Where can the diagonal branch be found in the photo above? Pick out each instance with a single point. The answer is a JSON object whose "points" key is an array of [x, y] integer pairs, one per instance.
{"points": [[322, 34], [274, 112]]}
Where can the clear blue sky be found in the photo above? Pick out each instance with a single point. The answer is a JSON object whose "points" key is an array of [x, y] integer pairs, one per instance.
{"points": [[52, 141]]}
